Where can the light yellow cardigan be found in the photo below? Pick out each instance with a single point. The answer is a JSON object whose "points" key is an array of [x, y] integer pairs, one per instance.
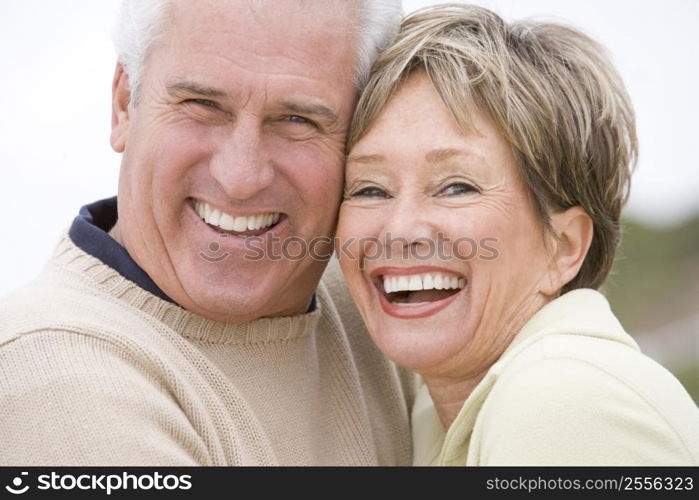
{"points": [[573, 388]]}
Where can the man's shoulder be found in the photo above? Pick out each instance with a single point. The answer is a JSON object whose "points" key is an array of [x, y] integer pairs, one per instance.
{"points": [[61, 301], [82, 397], [81, 376], [46, 317]]}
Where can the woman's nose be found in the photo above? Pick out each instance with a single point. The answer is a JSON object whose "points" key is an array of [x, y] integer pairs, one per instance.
{"points": [[409, 229]]}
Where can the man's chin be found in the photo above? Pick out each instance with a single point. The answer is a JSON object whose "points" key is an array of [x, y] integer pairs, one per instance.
{"points": [[232, 291]]}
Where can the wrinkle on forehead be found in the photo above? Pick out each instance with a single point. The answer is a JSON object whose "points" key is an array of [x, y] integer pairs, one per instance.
{"points": [[263, 34], [305, 7], [324, 13]]}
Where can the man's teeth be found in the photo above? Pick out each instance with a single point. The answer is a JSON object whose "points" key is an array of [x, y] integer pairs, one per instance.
{"points": [[424, 281], [227, 222]]}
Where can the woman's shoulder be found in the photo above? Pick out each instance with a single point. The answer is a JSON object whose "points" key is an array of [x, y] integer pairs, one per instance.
{"points": [[582, 399], [594, 363]]}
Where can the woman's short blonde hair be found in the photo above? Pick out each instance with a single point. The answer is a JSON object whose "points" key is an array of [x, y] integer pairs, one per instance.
{"points": [[552, 92]]}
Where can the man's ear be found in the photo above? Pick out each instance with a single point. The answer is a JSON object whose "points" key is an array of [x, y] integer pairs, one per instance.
{"points": [[570, 242], [121, 99]]}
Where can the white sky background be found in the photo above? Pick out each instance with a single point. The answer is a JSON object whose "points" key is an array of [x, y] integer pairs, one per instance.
{"points": [[57, 65]]}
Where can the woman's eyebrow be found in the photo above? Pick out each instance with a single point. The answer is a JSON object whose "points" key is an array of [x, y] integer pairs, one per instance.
{"points": [[365, 159], [438, 160], [442, 154]]}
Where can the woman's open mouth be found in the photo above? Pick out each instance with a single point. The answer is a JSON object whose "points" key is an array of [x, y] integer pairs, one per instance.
{"points": [[416, 292]]}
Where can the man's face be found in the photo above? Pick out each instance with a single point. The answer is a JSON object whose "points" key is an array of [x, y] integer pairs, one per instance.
{"points": [[237, 133]]}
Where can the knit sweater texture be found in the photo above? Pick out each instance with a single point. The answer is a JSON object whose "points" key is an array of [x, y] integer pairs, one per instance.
{"points": [[97, 371]]}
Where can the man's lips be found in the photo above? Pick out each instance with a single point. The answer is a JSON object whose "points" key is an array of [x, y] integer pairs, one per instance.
{"points": [[415, 292]]}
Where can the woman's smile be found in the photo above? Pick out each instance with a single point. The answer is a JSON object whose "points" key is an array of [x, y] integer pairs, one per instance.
{"points": [[416, 292]]}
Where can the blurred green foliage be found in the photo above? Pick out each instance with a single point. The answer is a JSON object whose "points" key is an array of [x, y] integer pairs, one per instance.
{"points": [[655, 283]]}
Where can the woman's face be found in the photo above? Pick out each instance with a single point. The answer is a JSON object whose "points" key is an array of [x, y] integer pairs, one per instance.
{"points": [[440, 244]]}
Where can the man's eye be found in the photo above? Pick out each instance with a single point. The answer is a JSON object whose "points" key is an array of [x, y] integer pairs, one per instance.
{"points": [[203, 102], [458, 189], [370, 192], [298, 119]]}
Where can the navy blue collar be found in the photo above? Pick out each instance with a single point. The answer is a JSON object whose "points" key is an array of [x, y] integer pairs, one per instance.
{"points": [[89, 232]]}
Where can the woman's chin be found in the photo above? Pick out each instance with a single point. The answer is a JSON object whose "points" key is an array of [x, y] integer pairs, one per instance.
{"points": [[422, 345], [420, 331]]}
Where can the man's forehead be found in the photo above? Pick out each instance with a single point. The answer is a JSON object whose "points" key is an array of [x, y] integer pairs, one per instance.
{"points": [[311, 12], [251, 30], [286, 63]]}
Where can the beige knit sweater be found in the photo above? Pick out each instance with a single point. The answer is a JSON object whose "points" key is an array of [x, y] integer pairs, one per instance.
{"points": [[96, 371]]}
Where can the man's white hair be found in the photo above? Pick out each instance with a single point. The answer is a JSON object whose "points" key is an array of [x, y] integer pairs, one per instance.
{"points": [[138, 26]]}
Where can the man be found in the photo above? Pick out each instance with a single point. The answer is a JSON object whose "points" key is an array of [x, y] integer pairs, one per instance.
{"points": [[152, 337]]}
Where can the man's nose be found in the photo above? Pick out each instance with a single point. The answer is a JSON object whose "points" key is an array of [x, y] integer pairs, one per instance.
{"points": [[240, 164]]}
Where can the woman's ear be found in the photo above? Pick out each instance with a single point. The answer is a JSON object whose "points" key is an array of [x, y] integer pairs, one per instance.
{"points": [[570, 242], [121, 99]]}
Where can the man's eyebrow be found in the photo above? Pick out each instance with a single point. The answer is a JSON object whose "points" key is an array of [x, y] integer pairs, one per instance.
{"points": [[190, 88], [309, 109]]}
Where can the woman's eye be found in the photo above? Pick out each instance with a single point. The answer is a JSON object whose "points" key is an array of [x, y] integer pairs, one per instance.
{"points": [[458, 189], [370, 192]]}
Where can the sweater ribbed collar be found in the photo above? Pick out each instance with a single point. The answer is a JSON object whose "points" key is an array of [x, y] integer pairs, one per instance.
{"points": [[104, 280]]}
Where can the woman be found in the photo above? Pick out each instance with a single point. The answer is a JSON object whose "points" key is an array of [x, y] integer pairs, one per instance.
{"points": [[488, 166]]}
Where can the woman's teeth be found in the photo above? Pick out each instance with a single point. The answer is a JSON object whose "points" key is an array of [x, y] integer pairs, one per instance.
{"points": [[227, 222], [423, 281]]}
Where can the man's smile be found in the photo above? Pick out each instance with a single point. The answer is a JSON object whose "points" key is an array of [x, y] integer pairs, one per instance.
{"points": [[241, 225]]}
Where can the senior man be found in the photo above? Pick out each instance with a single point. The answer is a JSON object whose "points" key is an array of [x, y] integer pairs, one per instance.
{"points": [[151, 338]]}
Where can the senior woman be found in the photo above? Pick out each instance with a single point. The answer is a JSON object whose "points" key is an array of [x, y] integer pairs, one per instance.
{"points": [[488, 166]]}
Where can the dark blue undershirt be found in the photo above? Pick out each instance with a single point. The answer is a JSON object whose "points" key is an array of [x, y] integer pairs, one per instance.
{"points": [[89, 232]]}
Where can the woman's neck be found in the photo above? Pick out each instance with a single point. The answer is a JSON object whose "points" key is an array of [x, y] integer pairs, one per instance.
{"points": [[449, 395]]}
